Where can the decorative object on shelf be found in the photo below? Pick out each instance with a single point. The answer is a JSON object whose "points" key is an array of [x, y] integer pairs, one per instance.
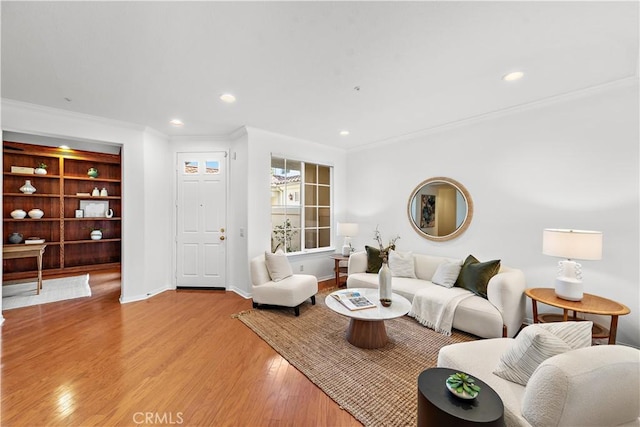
{"points": [[22, 169], [384, 275], [79, 213], [41, 169], [95, 192], [104, 193], [96, 234], [92, 172], [94, 208], [18, 214], [27, 188], [572, 245], [462, 386], [109, 213], [33, 241], [15, 238], [36, 213], [348, 230]]}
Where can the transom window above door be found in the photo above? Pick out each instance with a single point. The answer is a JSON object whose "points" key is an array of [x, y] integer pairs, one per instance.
{"points": [[301, 208]]}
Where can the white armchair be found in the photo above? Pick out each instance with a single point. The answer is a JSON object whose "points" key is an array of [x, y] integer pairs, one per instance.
{"points": [[291, 291], [591, 386]]}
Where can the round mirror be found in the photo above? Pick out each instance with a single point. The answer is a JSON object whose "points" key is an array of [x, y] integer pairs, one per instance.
{"points": [[440, 208]]}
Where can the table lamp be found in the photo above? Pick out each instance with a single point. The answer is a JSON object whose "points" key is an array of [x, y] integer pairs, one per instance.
{"points": [[572, 245], [347, 230]]}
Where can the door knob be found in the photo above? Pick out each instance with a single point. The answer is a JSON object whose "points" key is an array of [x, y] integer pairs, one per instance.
{"points": [[221, 237]]}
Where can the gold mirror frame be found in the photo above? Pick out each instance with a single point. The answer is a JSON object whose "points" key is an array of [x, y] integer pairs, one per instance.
{"points": [[465, 195]]}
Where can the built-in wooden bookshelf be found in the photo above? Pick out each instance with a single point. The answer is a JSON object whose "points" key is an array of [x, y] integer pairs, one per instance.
{"points": [[70, 248]]}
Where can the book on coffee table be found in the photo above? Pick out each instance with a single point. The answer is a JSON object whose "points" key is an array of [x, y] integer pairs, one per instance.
{"points": [[353, 300]]}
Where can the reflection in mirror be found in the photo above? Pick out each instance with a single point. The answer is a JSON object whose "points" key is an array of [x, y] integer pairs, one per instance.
{"points": [[440, 208]]}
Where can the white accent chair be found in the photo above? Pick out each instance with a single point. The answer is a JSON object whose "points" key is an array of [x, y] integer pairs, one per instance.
{"points": [[591, 386], [289, 292]]}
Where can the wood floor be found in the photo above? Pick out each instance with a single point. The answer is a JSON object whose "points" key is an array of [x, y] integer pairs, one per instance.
{"points": [[178, 358]]}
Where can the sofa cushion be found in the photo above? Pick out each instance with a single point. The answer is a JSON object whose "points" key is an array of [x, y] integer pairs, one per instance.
{"points": [[278, 265], [538, 342], [374, 261], [401, 264], [475, 275], [446, 274]]}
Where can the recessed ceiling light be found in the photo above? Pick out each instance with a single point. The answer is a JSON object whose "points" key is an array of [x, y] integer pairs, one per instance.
{"points": [[228, 98], [510, 77], [176, 122], [344, 132]]}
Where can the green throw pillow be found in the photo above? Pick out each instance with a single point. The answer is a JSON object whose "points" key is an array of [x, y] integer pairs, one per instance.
{"points": [[374, 262], [475, 275]]}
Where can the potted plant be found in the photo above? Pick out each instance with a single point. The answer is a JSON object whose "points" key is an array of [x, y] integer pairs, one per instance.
{"points": [[41, 169], [462, 385]]}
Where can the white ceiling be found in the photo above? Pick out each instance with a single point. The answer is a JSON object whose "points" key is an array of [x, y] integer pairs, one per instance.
{"points": [[293, 66]]}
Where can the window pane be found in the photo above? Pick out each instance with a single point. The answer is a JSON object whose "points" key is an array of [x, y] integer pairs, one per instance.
{"points": [[324, 237], [212, 167], [310, 239], [324, 196], [324, 175], [190, 167], [311, 217], [310, 172], [310, 195], [324, 217], [285, 235]]}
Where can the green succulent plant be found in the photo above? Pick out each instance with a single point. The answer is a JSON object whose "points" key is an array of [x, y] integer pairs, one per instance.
{"points": [[462, 382]]}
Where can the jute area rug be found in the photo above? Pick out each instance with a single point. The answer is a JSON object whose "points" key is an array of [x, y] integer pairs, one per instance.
{"points": [[24, 294], [378, 387]]}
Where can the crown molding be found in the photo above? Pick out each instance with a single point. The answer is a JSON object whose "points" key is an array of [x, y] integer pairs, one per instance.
{"points": [[629, 81], [36, 108]]}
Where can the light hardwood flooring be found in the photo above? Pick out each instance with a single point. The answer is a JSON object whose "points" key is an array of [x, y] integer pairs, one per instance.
{"points": [[178, 358]]}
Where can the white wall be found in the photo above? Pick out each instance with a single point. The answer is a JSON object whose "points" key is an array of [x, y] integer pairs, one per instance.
{"points": [[142, 189], [568, 163], [261, 144]]}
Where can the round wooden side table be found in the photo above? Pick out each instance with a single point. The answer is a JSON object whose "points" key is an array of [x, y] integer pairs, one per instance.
{"points": [[438, 407], [591, 304]]}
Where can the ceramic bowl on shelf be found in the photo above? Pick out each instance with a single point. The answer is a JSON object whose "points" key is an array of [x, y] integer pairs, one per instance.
{"points": [[18, 214], [36, 213]]}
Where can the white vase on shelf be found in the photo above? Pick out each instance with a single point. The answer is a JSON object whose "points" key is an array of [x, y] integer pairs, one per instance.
{"points": [[104, 193], [96, 235], [95, 192], [27, 188]]}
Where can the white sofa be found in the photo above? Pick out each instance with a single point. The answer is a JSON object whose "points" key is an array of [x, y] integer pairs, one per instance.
{"points": [[501, 315], [592, 386]]}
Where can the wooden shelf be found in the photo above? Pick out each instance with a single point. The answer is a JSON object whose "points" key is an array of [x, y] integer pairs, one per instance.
{"points": [[68, 251]]}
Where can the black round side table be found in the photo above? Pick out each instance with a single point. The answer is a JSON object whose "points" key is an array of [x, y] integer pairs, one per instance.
{"points": [[438, 407]]}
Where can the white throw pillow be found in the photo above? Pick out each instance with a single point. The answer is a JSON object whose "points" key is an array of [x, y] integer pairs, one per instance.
{"points": [[278, 265], [538, 342], [446, 274], [402, 264]]}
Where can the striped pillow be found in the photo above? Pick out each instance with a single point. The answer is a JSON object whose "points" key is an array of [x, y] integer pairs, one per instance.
{"points": [[536, 343]]}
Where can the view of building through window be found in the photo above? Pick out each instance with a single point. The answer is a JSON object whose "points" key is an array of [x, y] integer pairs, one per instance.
{"points": [[300, 205]]}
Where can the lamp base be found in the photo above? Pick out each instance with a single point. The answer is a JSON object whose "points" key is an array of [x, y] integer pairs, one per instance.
{"points": [[346, 250], [569, 289]]}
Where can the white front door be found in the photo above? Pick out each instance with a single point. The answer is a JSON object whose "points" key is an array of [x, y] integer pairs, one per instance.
{"points": [[201, 216]]}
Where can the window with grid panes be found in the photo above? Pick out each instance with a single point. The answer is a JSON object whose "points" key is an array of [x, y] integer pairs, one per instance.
{"points": [[300, 205]]}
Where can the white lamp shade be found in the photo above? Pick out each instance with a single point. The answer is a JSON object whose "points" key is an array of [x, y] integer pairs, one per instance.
{"points": [[572, 244], [348, 229]]}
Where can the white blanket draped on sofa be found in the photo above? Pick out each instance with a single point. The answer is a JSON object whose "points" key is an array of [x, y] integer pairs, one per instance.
{"points": [[436, 311]]}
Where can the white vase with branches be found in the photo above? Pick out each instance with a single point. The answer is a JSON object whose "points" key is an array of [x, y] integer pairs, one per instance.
{"points": [[384, 274]]}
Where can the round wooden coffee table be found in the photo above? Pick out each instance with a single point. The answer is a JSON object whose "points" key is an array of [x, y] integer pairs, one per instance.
{"points": [[437, 406], [592, 304], [366, 327]]}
